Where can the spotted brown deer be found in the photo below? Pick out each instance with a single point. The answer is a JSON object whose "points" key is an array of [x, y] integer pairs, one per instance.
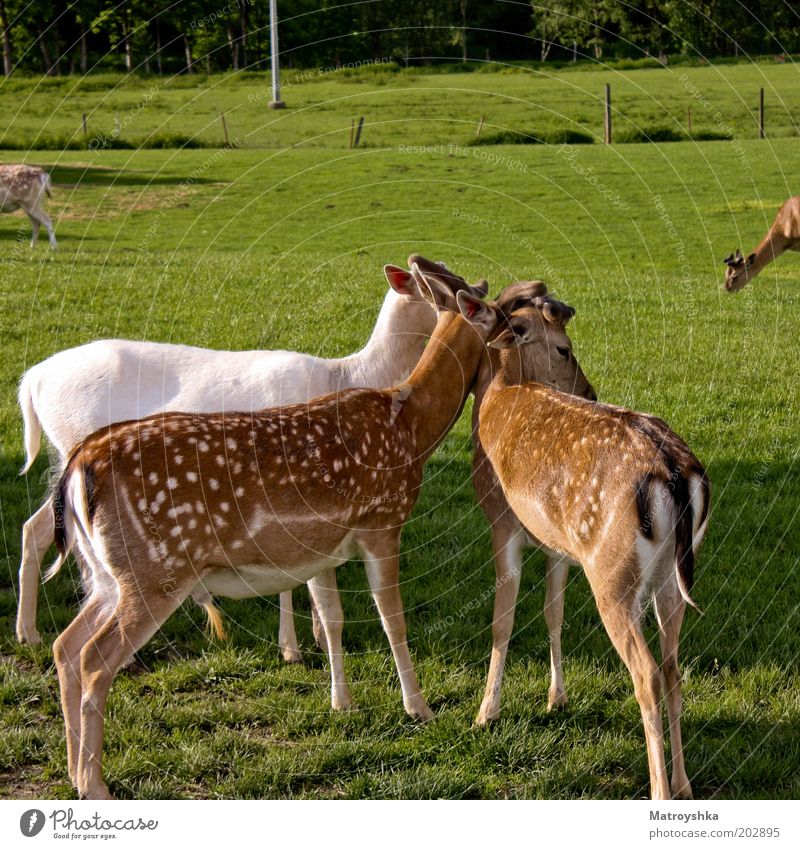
{"points": [[783, 235], [73, 393], [548, 357], [24, 187], [239, 504], [618, 492]]}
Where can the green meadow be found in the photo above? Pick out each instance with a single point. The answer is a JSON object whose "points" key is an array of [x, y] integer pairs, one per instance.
{"points": [[279, 243]]}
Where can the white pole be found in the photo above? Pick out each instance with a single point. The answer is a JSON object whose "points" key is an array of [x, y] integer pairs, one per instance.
{"points": [[276, 102]]}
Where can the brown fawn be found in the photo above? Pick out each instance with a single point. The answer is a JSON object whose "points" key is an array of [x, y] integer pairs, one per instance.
{"points": [[549, 358], [248, 504], [618, 492]]}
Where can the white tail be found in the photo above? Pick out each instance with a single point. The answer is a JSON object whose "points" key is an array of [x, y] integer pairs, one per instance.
{"points": [[30, 422], [44, 178]]}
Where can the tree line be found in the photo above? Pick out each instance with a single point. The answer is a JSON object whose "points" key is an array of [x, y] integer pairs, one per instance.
{"points": [[62, 37]]}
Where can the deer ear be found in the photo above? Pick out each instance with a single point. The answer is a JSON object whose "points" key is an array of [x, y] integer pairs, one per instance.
{"points": [[557, 313], [751, 259], [476, 311], [400, 279], [506, 338], [432, 289], [481, 287]]}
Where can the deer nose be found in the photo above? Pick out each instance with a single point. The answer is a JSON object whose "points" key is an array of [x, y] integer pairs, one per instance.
{"points": [[591, 395]]}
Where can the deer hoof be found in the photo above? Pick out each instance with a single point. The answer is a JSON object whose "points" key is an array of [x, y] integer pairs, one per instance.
{"points": [[291, 655], [29, 638], [421, 712]]}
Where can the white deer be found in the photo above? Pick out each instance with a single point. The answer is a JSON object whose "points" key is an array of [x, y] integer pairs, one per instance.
{"points": [[75, 392]]}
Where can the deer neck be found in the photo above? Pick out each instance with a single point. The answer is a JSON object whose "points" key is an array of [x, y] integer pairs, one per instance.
{"points": [[442, 380], [395, 346], [769, 249]]}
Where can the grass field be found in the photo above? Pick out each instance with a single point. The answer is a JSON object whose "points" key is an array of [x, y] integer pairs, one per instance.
{"points": [[414, 105], [283, 247]]}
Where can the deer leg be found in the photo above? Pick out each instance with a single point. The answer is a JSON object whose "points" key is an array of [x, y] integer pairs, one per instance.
{"points": [[670, 608], [66, 654], [557, 574], [139, 613], [317, 629], [326, 598], [51, 233], [35, 225], [38, 217], [287, 637], [37, 536], [507, 542], [382, 560], [620, 614]]}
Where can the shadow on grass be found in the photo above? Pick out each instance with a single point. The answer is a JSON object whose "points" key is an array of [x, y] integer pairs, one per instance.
{"points": [[91, 175]]}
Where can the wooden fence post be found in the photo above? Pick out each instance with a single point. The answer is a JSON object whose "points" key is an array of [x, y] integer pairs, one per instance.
{"points": [[358, 131], [761, 114], [689, 119], [608, 114], [480, 127], [224, 128]]}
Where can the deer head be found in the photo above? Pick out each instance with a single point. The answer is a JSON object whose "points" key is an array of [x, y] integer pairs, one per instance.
{"points": [[551, 354], [739, 271], [535, 338]]}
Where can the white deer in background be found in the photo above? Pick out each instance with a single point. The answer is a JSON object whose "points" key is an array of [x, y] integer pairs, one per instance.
{"points": [[75, 392]]}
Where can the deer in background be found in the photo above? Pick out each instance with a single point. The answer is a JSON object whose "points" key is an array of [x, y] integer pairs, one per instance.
{"points": [[241, 504], [24, 187], [783, 235], [549, 358], [75, 392], [618, 492]]}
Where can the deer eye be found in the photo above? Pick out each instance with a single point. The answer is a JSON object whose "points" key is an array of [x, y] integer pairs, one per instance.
{"points": [[563, 351]]}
